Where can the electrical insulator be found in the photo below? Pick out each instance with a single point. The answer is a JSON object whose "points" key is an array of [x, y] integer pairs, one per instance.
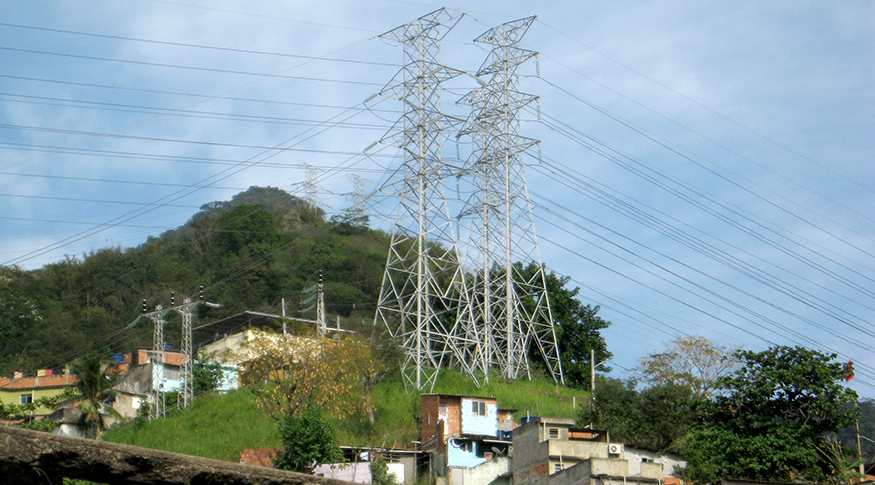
{"points": [[144, 305], [172, 298]]}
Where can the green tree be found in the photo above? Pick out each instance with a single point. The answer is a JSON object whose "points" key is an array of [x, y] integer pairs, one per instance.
{"points": [[308, 440], [693, 361], [94, 391], [655, 418], [769, 417], [19, 319], [578, 329], [248, 225], [206, 376]]}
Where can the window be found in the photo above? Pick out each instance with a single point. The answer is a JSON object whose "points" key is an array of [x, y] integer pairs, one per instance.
{"points": [[26, 399], [553, 433], [478, 408], [557, 467]]}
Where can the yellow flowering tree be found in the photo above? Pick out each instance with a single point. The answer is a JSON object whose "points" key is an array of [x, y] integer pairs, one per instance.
{"points": [[289, 373]]}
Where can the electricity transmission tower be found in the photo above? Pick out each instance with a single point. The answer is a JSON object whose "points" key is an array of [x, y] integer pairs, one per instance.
{"points": [[423, 286], [156, 389], [157, 403], [311, 186], [510, 307]]}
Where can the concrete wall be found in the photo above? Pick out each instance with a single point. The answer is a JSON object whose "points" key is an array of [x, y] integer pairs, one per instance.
{"points": [[349, 472], [494, 472], [479, 425], [463, 454], [669, 463]]}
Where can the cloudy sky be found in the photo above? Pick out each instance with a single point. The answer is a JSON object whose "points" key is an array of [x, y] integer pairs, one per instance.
{"points": [[705, 168]]}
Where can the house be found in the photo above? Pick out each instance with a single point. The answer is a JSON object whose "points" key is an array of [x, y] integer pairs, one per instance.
{"points": [[356, 468], [552, 451], [139, 377], [25, 390], [467, 438]]}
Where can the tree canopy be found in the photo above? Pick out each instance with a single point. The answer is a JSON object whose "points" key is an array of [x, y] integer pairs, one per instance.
{"points": [[770, 416], [692, 361]]}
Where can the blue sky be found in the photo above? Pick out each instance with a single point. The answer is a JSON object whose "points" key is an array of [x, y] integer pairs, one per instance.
{"points": [[704, 168]]}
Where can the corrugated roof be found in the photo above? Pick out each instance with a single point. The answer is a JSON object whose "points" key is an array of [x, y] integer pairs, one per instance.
{"points": [[238, 322]]}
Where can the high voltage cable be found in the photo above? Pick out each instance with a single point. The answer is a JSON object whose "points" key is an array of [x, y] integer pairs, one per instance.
{"points": [[575, 175], [810, 341], [718, 255], [721, 115], [690, 159], [710, 140], [191, 68], [707, 276], [185, 113], [155, 156], [566, 175], [198, 46], [97, 134], [192, 95], [266, 153], [653, 176]]}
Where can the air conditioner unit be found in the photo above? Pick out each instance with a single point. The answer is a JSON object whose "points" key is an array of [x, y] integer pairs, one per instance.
{"points": [[615, 449]]}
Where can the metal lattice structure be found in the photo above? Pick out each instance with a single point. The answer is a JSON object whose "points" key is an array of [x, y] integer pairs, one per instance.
{"points": [[358, 214], [156, 356], [423, 285], [510, 307], [311, 186]]}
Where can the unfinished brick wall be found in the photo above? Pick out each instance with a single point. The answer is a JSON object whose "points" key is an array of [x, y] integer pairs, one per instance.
{"points": [[259, 456]]}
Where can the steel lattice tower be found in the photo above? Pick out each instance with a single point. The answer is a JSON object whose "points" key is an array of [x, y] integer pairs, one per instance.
{"points": [[423, 286], [156, 390], [511, 309]]}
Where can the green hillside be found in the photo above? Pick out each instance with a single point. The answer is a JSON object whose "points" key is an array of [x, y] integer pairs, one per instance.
{"points": [[220, 426], [249, 253]]}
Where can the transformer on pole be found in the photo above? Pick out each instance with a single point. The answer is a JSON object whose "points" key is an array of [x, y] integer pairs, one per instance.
{"points": [[423, 287], [510, 306]]}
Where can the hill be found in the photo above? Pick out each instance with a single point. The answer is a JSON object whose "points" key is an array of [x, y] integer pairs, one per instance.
{"points": [[249, 253], [220, 426]]}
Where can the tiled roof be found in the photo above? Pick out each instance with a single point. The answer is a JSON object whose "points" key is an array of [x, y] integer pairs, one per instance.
{"points": [[31, 382]]}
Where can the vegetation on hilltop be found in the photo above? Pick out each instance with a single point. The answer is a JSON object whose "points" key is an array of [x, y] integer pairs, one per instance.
{"points": [[249, 253]]}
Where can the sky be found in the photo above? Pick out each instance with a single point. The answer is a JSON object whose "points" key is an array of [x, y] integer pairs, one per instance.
{"points": [[704, 168]]}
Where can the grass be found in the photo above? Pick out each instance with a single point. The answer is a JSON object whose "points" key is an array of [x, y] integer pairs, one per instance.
{"points": [[221, 426], [217, 426]]}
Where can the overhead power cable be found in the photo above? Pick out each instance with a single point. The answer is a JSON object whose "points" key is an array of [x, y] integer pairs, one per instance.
{"points": [[190, 68]]}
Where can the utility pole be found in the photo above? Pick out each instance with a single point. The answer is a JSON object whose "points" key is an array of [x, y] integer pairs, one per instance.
{"points": [[156, 358], [592, 366], [320, 307], [157, 404]]}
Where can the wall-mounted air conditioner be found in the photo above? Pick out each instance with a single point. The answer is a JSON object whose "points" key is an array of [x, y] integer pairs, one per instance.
{"points": [[615, 449]]}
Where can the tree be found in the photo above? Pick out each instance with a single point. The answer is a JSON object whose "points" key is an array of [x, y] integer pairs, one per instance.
{"points": [[94, 390], [206, 376], [769, 417], [19, 319], [290, 373], [695, 362], [308, 440], [578, 329], [655, 418]]}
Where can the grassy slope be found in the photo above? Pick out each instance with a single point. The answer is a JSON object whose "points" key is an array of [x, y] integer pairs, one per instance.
{"points": [[221, 426]]}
